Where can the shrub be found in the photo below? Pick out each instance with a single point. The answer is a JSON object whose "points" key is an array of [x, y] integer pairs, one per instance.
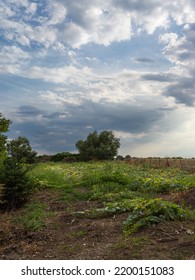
{"points": [[17, 186], [150, 211]]}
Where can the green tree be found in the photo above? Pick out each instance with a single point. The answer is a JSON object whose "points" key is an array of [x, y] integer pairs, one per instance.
{"points": [[103, 146], [60, 156], [4, 126], [20, 150], [16, 186]]}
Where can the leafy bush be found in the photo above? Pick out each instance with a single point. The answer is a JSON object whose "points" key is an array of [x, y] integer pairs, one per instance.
{"points": [[143, 212], [151, 211], [17, 185]]}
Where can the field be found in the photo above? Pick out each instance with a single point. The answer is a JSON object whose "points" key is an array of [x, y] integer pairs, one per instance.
{"points": [[103, 210]]}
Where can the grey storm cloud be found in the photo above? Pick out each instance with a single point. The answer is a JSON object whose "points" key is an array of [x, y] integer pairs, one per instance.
{"points": [[144, 60], [158, 77], [59, 131], [27, 110], [124, 117], [182, 91], [180, 50], [139, 5]]}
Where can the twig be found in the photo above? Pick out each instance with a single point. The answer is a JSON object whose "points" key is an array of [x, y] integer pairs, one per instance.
{"points": [[167, 239]]}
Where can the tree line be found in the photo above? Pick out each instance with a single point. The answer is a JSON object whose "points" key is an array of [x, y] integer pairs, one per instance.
{"points": [[102, 146], [17, 154]]}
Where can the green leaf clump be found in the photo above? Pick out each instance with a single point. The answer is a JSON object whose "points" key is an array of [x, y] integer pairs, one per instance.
{"points": [[150, 211]]}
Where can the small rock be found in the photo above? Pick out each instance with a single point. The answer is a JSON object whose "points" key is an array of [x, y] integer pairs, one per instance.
{"points": [[189, 231]]}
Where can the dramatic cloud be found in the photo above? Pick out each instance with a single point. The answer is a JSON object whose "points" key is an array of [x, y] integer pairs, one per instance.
{"points": [[180, 51], [70, 67], [62, 128]]}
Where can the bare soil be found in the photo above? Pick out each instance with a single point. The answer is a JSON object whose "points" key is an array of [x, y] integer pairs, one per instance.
{"points": [[68, 237]]}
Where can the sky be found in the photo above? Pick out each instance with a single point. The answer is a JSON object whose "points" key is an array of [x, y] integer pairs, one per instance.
{"points": [[69, 67]]}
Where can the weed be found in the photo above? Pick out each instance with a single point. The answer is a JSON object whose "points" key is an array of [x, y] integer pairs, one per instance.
{"points": [[132, 246], [120, 187], [80, 233], [151, 211], [35, 216]]}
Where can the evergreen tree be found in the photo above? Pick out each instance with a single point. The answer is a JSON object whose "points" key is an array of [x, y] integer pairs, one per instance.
{"points": [[17, 186], [21, 151]]}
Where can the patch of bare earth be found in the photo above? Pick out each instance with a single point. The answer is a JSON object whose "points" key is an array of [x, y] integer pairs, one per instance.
{"points": [[185, 198], [68, 237]]}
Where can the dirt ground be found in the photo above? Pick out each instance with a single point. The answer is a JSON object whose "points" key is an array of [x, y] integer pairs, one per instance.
{"points": [[74, 238]]}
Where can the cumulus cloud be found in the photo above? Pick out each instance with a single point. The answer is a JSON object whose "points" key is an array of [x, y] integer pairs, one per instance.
{"points": [[60, 99], [83, 22], [66, 75], [180, 51], [12, 58], [183, 91], [97, 22], [183, 11], [57, 13], [79, 84]]}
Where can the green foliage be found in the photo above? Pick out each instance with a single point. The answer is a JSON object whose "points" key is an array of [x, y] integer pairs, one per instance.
{"points": [[59, 156], [4, 126], [20, 150], [150, 211], [118, 180], [98, 147], [119, 187], [17, 185], [105, 177], [65, 157], [143, 212], [49, 175], [110, 181]]}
